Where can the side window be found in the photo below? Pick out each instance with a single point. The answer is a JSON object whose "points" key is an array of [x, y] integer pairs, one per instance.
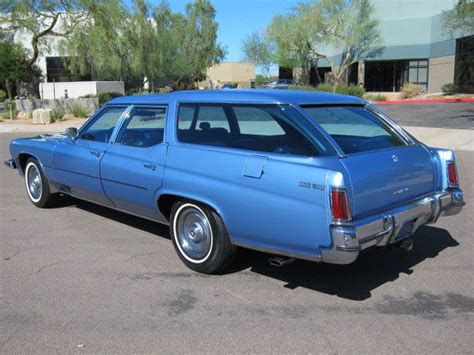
{"points": [[254, 120], [268, 129], [212, 117], [144, 127], [264, 128], [101, 128], [186, 116]]}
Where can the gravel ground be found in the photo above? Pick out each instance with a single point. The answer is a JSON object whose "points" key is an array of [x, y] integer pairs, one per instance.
{"points": [[82, 278], [442, 115]]}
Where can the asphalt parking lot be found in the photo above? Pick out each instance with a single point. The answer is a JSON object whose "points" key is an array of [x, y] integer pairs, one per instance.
{"points": [[441, 115], [82, 278]]}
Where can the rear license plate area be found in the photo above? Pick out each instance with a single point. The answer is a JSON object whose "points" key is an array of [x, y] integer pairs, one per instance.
{"points": [[406, 231]]}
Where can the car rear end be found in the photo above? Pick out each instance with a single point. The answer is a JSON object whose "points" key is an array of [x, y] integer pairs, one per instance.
{"points": [[396, 184]]}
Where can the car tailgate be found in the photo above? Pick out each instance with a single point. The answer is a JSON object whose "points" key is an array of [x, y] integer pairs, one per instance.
{"points": [[384, 178]]}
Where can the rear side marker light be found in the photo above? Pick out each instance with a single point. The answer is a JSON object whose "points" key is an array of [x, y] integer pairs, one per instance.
{"points": [[339, 205], [452, 173]]}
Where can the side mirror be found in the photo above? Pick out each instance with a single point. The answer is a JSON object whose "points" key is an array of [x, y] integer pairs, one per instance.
{"points": [[71, 132]]}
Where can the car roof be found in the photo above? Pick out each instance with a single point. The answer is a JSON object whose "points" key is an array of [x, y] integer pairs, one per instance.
{"points": [[295, 97]]}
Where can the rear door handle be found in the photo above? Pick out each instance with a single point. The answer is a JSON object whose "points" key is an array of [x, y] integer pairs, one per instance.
{"points": [[150, 166], [95, 152]]}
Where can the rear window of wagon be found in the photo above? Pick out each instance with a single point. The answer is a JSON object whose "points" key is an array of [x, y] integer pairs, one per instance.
{"points": [[355, 128]]}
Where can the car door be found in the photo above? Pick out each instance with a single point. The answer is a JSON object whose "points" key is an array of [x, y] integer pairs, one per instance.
{"points": [[76, 161], [132, 167]]}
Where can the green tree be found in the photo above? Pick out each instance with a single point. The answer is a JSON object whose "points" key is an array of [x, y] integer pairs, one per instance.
{"points": [[14, 64], [156, 50], [102, 45], [258, 49], [345, 26], [460, 18], [291, 34], [197, 37], [315, 29], [40, 21]]}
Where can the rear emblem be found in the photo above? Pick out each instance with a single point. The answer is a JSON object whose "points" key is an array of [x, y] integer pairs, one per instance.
{"points": [[395, 158]]}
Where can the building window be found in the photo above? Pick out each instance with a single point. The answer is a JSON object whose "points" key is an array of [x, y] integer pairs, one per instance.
{"points": [[418, 73], [464, 64], [57, 70]]}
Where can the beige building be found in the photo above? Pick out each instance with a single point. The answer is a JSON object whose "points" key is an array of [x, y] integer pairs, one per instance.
{"points": [[241, 73]]}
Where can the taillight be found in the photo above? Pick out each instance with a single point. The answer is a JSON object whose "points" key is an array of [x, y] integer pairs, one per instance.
{"points": [[452, 173], [339, 205]]}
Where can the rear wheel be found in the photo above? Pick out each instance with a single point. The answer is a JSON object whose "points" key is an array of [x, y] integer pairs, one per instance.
{"points": [[200, 237], [37, 185]]}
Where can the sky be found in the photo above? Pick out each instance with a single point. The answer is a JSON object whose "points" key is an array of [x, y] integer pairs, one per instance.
{"points": [[238, 18]]}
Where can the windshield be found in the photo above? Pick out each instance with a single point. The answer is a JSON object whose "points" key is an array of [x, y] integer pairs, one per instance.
{"points": [[355, 128]]}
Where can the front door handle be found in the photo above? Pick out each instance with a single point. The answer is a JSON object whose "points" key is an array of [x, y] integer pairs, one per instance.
{"points": [[95, 152], [150, 166]]}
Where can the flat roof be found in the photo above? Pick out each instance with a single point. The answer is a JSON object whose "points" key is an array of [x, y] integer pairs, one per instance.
{"points": [[242, 96]]}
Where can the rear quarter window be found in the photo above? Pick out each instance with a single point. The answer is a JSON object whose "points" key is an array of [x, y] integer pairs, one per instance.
{"points": [[355, 128]]}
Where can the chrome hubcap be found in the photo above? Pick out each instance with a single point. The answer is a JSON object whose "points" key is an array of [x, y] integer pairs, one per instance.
{"points": [[34, 182], [193, 233]]}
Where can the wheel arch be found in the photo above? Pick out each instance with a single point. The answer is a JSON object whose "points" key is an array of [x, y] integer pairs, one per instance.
{"points": [[23, 158], [166, 201]]}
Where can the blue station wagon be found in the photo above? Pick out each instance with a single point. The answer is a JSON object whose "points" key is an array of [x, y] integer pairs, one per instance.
{"points": [[314, 176]]}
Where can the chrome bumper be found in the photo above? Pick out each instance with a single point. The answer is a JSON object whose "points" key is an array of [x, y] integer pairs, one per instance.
{"points": [[389, 227], [10, 163]]}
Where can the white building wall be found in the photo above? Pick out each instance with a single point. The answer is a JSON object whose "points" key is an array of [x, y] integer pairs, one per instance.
{"points": [[76, 89]]}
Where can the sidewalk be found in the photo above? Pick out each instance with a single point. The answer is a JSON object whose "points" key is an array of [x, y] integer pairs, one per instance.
{"points": [[456, 139], [9, 127]]}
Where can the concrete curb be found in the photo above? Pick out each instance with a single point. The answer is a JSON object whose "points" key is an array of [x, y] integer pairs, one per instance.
{"points": [[424, 101]]}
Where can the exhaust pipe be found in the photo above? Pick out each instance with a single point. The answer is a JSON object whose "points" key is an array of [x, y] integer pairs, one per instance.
{"points": [[279, 261], [406, 244]]}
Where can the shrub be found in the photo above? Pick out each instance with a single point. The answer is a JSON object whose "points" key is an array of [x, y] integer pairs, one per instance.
{"points": [[410, 90], [9, 104], [325, 87], [165, 90], [57, 114], [449, 89], [377, 97], [106, 96], [79, 111], [88, 96], [3, 95], [302, 87], [353, 90]]}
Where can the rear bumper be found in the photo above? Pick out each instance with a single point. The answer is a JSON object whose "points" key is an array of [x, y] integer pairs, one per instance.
{"points": [[10, 163], [389, 227]]}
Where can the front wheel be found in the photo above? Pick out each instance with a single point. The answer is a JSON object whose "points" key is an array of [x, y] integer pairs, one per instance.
{"points": [[37, 185], [200, 237]]}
